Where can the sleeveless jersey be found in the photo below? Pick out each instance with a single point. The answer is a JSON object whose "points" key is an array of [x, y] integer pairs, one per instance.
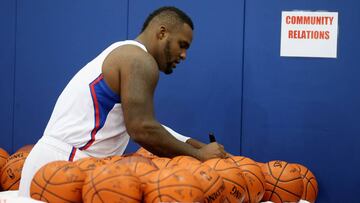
{"points": [[88, 114]]}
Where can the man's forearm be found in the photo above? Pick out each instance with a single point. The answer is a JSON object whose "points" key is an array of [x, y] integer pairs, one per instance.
{"points": [[156, 139], [195, 143]]}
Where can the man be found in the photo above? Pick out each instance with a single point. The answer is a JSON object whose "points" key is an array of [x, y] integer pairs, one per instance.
{"points": [[111, 99]]}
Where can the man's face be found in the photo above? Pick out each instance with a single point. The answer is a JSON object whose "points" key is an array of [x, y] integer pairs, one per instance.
{"points": [[175, 48]]}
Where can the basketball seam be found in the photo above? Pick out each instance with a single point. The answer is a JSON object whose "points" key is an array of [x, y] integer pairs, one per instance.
{"points": [[52, 193], [307, 170], [312, 186], [231, 181], [249, 164], [111, 190], [242, 158], [46, 200], [276, 186], [277, 179], [168, 176], [147, 173], [12, 184], [114, 176], [92, 184], [284, 181], [46, 181], [178, 185], [216, 163], [234, 167], [248, 171], [158, 183], [6, 166], [217, 179], [164, 195], [278, 197]]}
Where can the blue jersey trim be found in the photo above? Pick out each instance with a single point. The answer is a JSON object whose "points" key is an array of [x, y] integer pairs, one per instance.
{"points": [[104, 100]]}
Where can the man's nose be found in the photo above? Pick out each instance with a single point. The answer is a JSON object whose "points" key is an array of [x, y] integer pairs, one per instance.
{"points": [[183, 55]]}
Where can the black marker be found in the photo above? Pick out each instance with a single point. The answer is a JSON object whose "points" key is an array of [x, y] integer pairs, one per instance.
{"points": [[212, 137]]}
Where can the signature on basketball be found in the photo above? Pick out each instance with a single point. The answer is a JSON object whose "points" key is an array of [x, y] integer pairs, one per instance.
{"points": [[10, 174], [278, 164]]}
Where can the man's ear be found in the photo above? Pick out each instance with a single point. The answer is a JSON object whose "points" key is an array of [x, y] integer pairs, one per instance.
{"points": [[162, 32]]}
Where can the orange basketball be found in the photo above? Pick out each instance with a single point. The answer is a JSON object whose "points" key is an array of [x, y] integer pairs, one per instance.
{"points": [[253, 176], [112, 159], [283, 182], [139, 165], [145, 153], [4, 155], [111, 183], [58, 181], [260, 164], [11, 171], [310, 184], [25, 148], [235, 184], [184, 161], [173, 184], [89, 164], [161, 162], [210, 181]]}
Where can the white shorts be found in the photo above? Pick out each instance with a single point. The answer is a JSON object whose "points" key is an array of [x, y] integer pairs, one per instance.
{"points": [[46, 150], [49, 149]]}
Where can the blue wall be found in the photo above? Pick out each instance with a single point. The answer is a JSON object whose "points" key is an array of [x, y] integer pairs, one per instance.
{"points": [[204, 92], [304, 109], [54, 40], [7, 66], [234, 82]]}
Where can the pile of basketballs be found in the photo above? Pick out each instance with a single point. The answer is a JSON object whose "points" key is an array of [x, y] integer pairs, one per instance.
{"points": [[144, 177]]}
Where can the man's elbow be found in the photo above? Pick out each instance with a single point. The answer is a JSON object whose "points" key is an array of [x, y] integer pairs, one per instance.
{"points": [[141, 132]]}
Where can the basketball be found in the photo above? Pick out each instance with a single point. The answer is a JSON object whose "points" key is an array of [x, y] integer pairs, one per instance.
{"points": [[112, 159], [25, 148], [145, 153], [88, 164], [260, 164], [58, 181], [173, 184], [184, 161], [235, 184], [11, 171], [111, 183], [283, 182], [253, 176], [310, 184], [139, 165], [210, 181], [161, 162], [4, 155]]}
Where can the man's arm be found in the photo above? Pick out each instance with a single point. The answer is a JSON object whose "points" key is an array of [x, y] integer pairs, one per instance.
{"points": [[177, 135], [195, 143], [191, 141], [138, 82]]}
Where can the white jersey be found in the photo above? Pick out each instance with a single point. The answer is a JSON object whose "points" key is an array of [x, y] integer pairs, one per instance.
{"points": [[87, 121], [88, 114]]}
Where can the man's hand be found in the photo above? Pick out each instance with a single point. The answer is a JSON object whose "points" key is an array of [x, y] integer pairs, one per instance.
{"points": [[212, 150]]}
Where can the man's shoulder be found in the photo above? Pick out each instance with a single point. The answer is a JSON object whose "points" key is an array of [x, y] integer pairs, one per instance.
{"points": [[128, 52]]}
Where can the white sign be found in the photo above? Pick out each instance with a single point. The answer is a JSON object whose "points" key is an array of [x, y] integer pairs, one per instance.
{"points": [[309, 34]]}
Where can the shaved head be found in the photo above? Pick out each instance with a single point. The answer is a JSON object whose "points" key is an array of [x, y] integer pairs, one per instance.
{"points": [[170, 16]]}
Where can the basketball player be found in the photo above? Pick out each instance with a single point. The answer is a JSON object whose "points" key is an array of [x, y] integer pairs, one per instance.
{"points": [[111, 100]]}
